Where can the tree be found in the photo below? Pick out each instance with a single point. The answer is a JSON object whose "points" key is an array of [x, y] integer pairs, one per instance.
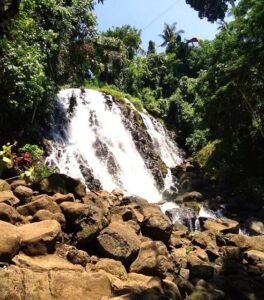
{"points": [[151, 48], [171, 37], [211, 9]]}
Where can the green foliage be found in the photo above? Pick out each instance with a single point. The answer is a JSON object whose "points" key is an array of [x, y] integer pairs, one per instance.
{"points": [[37, 172], [34, 151]]}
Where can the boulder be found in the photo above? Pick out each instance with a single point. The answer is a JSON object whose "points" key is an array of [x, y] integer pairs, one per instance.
{"points": [[254, 257], [9, 241], [246, 242], [156, 225], [113, 267], [179, 238], [23, 283], [9, 214], [139, 286], [190, 196], [119, 241], [255, 226], [179, 258], [24, 193], [38, 203], [17, 182], [60, 183], [4, 186], [59, 198], [78, 257], [8, 197], [79, 285], [86, 221], [224, 225], [44, 263], [44, 214], [206, 291], [199, 265], [39, 238], [207, 240], [152, 259]]}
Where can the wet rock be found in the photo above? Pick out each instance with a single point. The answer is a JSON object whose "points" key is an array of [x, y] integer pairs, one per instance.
{"points": [[8, 197], [224, 226], [183, 215], [113, 267], [9, 214], [24, 193], [190, 196], [255, 226], [60, 183], [119, 241], [39, 238], [156, 225], [9, 241], [4, 186], [152, 259]]}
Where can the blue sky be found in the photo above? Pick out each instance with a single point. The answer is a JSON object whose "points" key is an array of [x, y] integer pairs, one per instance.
{"points": [[150, 16]]}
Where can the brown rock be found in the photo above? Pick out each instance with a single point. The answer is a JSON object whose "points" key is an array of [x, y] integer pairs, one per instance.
{"points": [[224, 226], [199, 265], [22, 283], [42, 215], [4, 186], [190, 196], [254, 257], [152, 260], [73, 210], [39, 238], [44, 263], [144, 286], [171, 290], [179, 238], [9, 214], [9, 241], [78, 257], [204, 290], [207, 240], [59, 198], [60, 183], [156, 225], [247, 242], [17, 182], [24, 193], [179, 257], [113, 267], [38, 203], [79, 285], [9, 198], [119, 241]]}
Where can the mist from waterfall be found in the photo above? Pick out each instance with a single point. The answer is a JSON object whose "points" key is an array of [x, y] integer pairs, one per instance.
{"points": [[90, 139]]}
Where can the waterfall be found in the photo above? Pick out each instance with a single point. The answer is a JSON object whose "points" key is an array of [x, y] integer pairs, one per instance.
{"points": [[90, 141]]}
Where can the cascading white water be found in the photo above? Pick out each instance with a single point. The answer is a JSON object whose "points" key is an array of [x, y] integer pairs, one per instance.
{"points": [[168, 150], [95, 138]]}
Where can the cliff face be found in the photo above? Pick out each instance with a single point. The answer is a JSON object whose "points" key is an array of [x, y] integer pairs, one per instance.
{"points": [[59, 242]]}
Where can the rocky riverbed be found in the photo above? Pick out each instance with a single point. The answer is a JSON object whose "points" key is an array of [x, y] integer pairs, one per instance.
{"points": [[59, 242]]}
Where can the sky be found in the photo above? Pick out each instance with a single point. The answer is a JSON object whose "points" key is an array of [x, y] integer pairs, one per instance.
{"points": [[150, 16]]}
